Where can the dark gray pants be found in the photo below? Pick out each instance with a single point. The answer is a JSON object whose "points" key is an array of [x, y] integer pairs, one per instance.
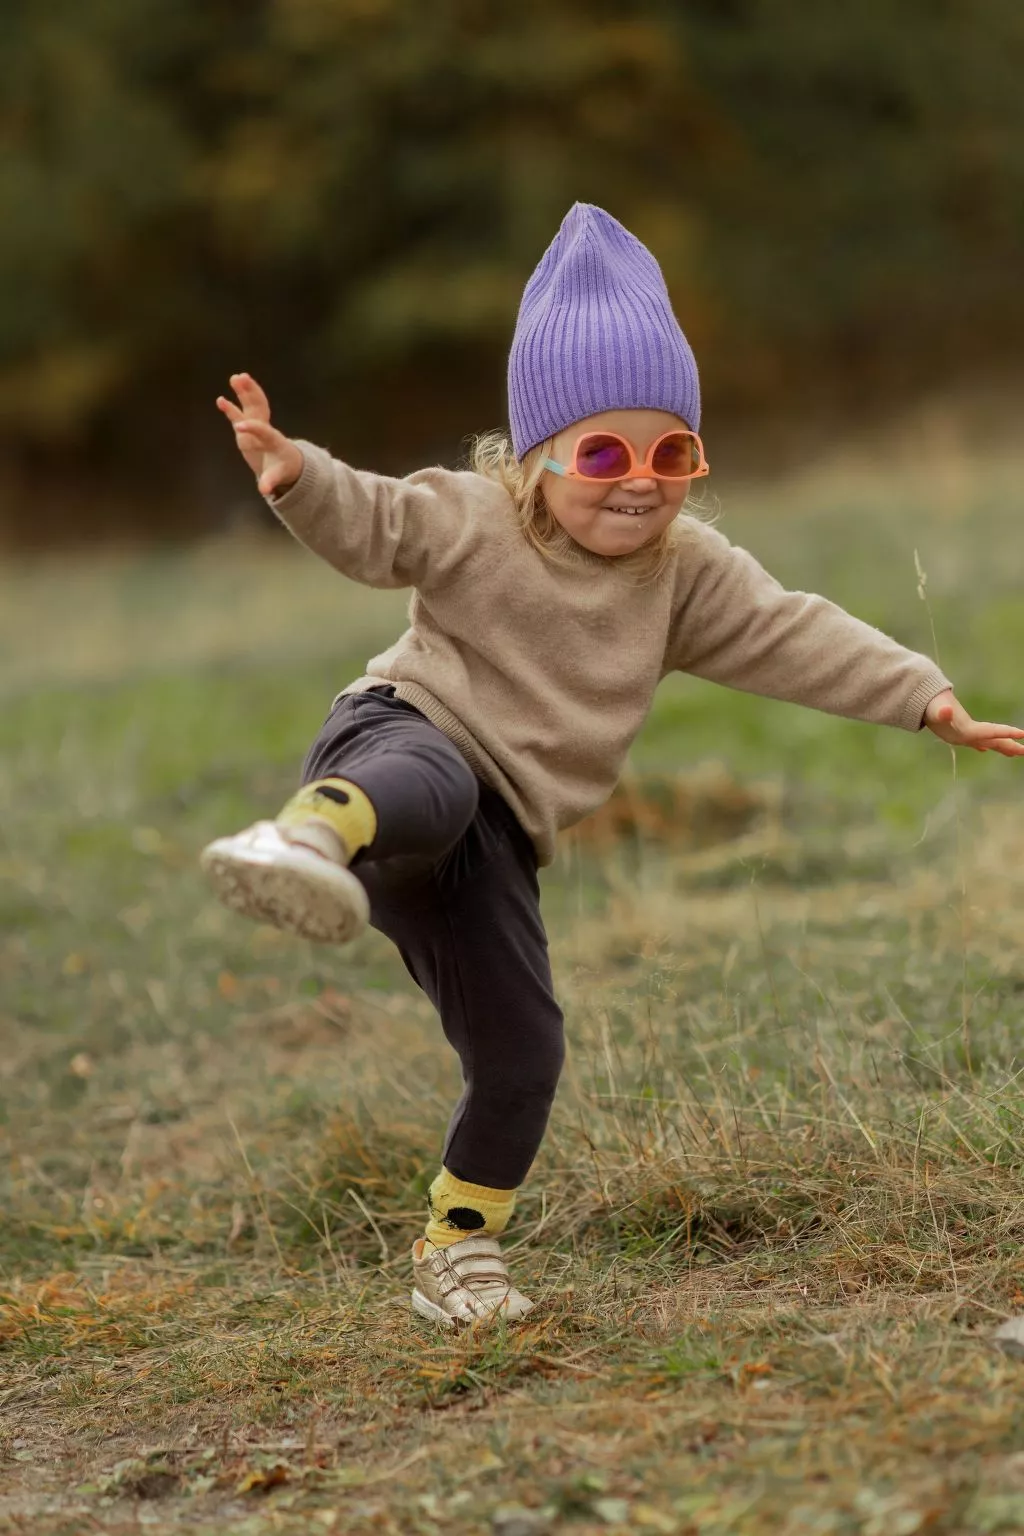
{"points": [[452, 880]]}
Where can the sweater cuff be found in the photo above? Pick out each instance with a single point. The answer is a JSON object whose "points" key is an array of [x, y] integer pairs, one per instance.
{"points": [[299, 489], [931, 685]]}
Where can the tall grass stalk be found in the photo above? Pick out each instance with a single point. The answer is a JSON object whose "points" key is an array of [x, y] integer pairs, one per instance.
{"points": [[965, 1027]]}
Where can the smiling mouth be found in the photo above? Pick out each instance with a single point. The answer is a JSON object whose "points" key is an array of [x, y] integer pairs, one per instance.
{"points": [[630, 511]]}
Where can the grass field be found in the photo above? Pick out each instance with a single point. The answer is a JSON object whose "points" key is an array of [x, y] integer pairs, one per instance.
{"points": [[779, 1210]]}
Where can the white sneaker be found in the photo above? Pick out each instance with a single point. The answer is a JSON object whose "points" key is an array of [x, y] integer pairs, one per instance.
{"points": [[464, 1282], [264, 874]]}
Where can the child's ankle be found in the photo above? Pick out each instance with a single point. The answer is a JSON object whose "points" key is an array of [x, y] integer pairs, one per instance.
{"points": [[332, 816], [459, 1209], [317, 835]]}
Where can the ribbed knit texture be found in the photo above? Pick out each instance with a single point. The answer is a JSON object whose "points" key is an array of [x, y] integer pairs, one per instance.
{"points": [[596, 332], [459, 1210], [541, 673]]}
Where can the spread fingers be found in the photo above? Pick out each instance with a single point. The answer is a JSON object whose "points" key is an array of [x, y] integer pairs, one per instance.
{"points": [[253, 398], [229, 408]]}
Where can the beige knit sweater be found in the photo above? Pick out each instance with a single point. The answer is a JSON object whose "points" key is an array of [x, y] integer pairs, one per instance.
{"points": [[541, 673]]}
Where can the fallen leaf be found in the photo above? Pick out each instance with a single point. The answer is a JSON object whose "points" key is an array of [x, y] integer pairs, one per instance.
{"points": [[227, 985], [238, 1222], [611, 1511], [264, 1478]]}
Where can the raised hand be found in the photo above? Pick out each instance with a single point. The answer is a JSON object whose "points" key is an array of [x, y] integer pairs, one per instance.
{"points": [[273, 458], [949, 720]]}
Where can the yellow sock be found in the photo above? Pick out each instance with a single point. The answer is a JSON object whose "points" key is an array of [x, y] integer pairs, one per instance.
{"points": [[459, 1210], [346, 809]]}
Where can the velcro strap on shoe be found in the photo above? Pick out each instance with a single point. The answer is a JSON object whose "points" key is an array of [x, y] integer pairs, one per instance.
{"points": [[472, 1248]]}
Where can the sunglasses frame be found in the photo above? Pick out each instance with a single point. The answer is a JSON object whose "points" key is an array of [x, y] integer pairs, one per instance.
{"points": [[637, 470]]}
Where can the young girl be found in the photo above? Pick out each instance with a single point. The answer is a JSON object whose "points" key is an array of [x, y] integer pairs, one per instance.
{"points": [[553, 587]]}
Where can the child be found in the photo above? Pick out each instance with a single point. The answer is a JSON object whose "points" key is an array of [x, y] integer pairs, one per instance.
{"points": [[553, 587]]}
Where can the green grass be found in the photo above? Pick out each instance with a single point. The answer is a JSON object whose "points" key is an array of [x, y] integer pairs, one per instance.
{"points": [[778, 1211]]}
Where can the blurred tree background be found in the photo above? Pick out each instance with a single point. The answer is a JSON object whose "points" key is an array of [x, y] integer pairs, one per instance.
{"points": [[345, 197]]}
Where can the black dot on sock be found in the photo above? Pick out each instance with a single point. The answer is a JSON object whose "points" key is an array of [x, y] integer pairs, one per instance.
{"points": [[465, 1219], [339, 796]]}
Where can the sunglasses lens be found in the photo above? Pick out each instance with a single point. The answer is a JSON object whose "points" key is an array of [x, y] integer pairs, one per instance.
{"points": [[601, 457], [677, 456]]}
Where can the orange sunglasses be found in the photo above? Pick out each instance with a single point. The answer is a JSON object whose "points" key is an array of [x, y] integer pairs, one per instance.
{"points": [[675, 455]]}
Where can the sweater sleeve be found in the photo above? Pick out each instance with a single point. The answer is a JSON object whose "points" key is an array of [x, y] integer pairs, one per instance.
{"points": [[735, 624], [381, 531]]}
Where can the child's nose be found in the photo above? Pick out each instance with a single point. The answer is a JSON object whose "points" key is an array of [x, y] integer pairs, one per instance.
{"points": [[640, 483]]}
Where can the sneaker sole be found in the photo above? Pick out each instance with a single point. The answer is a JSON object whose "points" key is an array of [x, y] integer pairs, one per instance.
{"points": [[327, 905], [424, 1307]]}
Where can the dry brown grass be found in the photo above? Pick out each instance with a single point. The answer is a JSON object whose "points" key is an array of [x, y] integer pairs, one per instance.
{"points": [[778, 1212], [765, 1294]]}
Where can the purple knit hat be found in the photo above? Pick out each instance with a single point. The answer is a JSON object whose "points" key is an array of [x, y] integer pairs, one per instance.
{"points": [[596, 332]]}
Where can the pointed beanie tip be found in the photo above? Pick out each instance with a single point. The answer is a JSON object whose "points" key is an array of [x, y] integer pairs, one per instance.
{"points": [[596, 332]]}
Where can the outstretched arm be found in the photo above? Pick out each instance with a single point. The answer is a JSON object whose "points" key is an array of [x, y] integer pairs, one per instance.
{"points": [[735, 624], [382, 531]]}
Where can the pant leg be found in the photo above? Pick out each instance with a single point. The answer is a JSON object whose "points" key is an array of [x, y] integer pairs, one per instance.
{"points": [[470, 932], [421, 787], [452, 881]]}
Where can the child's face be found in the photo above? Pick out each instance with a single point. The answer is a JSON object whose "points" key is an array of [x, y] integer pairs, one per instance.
{"points": [[615, 517]]}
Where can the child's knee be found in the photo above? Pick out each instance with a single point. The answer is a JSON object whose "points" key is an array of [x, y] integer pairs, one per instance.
{"points": [[533, 1077], [543, 1082], [544, 1068]]}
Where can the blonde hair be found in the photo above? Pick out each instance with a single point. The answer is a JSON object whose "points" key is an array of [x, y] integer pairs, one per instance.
{"points": [[493, 456]]}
